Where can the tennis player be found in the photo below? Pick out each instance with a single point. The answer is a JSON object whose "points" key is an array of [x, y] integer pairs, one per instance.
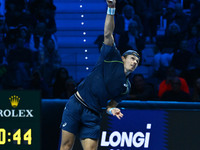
{"points": [[105, 86]]}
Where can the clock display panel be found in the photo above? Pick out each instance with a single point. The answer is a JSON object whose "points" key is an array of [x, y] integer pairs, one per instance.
{"points": [[20, 120]]}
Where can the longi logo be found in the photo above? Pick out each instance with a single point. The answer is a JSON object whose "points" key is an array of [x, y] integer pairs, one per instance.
{"points": [[125, 139]]}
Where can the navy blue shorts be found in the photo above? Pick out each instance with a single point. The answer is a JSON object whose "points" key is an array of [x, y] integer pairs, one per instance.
{"points": [[80, 120]]}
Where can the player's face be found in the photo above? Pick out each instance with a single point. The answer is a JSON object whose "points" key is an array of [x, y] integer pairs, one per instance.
{"points": [[130, 62]]}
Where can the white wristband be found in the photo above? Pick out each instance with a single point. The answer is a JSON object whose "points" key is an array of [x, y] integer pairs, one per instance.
{"points": [[110, 111], [111, 11]]}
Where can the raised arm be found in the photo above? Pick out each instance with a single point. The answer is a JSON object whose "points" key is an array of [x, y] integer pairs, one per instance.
{"points": [[109, 23]]}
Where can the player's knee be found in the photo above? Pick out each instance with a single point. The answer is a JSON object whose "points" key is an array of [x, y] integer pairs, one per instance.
{"points": [[90, 147], [66, 146]]}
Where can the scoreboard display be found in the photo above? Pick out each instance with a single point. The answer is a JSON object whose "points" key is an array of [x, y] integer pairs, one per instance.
{"points": [[20, 120]]}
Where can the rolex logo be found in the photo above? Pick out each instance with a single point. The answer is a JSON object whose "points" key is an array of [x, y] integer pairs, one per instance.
{"points": [[14, 100]]}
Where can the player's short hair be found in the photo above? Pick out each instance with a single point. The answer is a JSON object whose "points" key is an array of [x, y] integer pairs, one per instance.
{"points": [[131, 52]]}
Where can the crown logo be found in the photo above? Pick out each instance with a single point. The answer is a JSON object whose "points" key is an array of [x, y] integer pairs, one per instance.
{"points": [[14, 100]]}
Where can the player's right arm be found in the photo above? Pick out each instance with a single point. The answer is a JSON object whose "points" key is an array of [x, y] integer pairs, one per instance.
{"points": [[109, 23], [113, 110]]}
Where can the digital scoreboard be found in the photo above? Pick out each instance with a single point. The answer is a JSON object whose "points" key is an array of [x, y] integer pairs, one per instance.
{"points": [[20, 120]]}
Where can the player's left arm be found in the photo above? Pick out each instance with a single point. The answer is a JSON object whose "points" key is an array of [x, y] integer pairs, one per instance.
{"points": [[112, 110]]}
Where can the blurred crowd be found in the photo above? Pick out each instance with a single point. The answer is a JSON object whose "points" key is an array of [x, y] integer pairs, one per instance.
{"points": [[173, 28], [29, 57]]}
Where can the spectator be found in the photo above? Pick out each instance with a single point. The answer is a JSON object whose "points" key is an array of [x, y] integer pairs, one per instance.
{"points": [[37, 41], [19, 5], [149, 12], [17, 13], [196, 92], [181, 57], [194, 7], [24, 34], [193, 37], [120, 5], [193, 70], [38, 83], [44, 11], [10, 39], [181, 18], [195, 58], [166, 85], [140, 89], [13, 12], [161, 61], [50, 62], [123, 21], [70, 86], [40, 34], [131, 39], [19, 63], [171, 39], [176, 94], [28, 20], [59, 86], [169, 13]]}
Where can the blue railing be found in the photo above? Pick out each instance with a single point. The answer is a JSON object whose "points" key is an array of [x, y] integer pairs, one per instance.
{"points": [[142, 104]]}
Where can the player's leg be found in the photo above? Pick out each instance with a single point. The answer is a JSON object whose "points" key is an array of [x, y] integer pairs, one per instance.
{"points": [[90, 130], [67, 141], [89, 144], [70, 123]]}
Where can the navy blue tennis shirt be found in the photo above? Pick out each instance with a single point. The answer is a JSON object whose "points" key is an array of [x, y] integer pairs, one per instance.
{"points": [[106, 81]]}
